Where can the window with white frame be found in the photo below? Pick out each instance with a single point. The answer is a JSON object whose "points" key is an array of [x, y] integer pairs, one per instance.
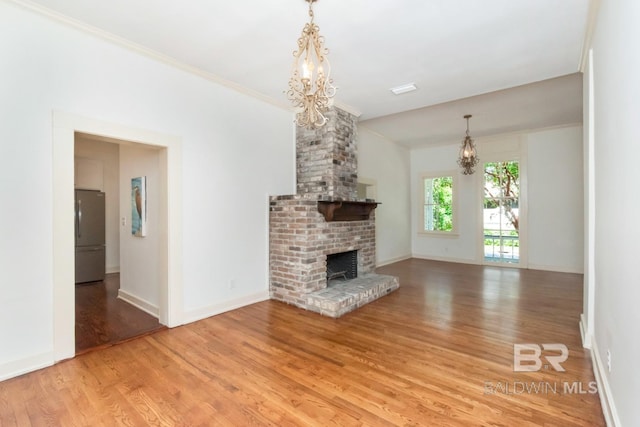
{"points": [[438, 195]]}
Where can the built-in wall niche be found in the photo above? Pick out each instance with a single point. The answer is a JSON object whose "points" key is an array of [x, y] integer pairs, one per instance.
{"points": [[366, 189]]}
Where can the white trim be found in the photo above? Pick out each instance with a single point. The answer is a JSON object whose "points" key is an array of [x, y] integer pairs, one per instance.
{"points": [[382, 263], [592, 18], [145, 51], [590, 201], [454, 203], [437, 234], [556, 268], [479, 140], [63, 242], [523, 201], [519, 155], [212, 310], [140, 303], [23, 366], [348, 108], [586, 338], [446, 259], [604, 390], [161, 57], [112, 270], [267, 243], [171, 288]]}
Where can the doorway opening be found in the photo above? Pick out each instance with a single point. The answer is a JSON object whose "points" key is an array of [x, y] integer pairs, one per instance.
{"points": [[169, 215], [123, 303], [501, 212]]}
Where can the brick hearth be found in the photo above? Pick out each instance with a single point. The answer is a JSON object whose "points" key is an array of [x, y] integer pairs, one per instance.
{"points": [[300, 238]]}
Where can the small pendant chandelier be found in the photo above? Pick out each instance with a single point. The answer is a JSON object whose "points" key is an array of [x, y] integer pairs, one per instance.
{"points": [[468, 156], [310, 88]]}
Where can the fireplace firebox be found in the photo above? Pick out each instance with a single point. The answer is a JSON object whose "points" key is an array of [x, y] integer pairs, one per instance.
{"points": [[343, 265]]}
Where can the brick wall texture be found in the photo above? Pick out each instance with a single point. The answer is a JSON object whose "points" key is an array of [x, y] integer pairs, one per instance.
{"points": [[299, 237], [326, 159], [300, 240]]}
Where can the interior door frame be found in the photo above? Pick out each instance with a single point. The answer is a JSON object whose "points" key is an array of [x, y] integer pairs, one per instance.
{"points": [[65, 125]]}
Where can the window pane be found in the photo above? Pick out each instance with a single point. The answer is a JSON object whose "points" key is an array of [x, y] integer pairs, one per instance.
{"points": [[438, 204], [501, 211]]}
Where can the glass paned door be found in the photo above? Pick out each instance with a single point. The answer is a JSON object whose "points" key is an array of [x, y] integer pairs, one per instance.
{"points": [[501, 212]]}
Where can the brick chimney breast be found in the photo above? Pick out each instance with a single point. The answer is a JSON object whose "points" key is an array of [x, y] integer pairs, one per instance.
{"points": [[300, 239], [326, 159]]}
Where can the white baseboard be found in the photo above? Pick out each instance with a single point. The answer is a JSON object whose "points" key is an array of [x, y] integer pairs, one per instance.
{"points": [[556, 268], [604, 391], [112, 269], [33, 363], [26, 365], [212, 310], [392, 260], [586, 338], [445, 259], [553, 268], [140, 303]]}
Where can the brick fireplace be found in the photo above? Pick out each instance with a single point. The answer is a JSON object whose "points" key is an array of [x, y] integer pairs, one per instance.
{"points": [[322, 219]]}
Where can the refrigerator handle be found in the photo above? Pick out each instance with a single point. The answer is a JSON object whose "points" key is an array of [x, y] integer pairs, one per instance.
{"points": [[79, 218]]}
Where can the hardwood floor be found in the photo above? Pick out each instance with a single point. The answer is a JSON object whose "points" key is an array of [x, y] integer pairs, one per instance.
{"points": [[103, 320], [437, 352]]}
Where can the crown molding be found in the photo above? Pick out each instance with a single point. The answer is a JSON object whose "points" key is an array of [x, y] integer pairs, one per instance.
{"points": [[485, 138], [144, 51], [348, 108], [592, 18]]}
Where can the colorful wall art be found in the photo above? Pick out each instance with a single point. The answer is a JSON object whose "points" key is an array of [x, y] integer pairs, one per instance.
{"points": [[139, 206]]}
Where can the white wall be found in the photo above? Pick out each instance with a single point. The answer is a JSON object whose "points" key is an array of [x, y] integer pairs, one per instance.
{"points": [[555, 199], [387, 164], [616, 67], [551, 224], [141, 256], [229, 167], [107, 154], [458, 247]]}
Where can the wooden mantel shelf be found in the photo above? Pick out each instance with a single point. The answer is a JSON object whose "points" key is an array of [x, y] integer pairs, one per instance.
{"points": [[342, 210]]}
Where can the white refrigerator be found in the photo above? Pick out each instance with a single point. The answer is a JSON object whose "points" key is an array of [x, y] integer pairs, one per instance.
{"points": [[90, 236]]}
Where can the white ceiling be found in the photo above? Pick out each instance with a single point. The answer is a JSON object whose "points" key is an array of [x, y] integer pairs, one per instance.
{"points": [[548, 103], [451, 50]]}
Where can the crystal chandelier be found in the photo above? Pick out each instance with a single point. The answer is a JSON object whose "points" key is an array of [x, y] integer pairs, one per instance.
{"points": [[310, 88], [468, 157]]}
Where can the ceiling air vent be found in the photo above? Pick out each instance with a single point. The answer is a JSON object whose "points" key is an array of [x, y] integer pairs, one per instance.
{"points": [[409, 87]]}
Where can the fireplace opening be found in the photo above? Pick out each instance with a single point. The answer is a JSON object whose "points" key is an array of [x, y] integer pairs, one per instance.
{"points": [[343, 265]]}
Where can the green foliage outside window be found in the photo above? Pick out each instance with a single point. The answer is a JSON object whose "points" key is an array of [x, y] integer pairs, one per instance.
{"points": [[502, 189], [494, 240], [501, 211], [438, 204]]}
